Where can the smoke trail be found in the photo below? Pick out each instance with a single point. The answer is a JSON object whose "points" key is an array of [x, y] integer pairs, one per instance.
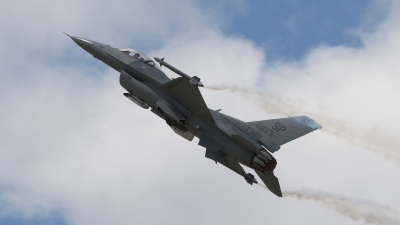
{"points": [[372, 138], [355, 209]]}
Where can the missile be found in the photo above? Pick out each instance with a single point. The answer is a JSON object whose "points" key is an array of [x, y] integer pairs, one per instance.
{"points": [[195, 81], [250, 178]]}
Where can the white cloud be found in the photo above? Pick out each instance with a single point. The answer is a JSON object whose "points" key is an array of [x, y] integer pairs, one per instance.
{"points": [[71, 142]]}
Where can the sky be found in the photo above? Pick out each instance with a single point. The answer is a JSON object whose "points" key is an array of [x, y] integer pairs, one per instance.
{"points": [[290, 29], [73, 150]]}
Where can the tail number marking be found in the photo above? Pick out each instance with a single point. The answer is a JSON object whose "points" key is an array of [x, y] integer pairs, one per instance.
{"points": [[270, 132]]}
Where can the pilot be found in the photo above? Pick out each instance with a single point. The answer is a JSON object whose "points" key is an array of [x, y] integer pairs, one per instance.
{"points": [[137, 56]]}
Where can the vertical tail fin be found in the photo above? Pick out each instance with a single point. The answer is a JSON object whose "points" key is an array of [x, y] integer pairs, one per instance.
{"points": [[276, 132]]}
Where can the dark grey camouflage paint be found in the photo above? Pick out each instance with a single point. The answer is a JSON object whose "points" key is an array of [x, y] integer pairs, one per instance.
{"points": [[228, 141]]}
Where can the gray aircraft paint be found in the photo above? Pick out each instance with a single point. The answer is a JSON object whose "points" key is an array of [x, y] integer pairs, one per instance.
{"points": [[227, 140]]}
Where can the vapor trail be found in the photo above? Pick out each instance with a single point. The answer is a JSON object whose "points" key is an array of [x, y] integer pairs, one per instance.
{"points": [[371, 138], [355, 209]]}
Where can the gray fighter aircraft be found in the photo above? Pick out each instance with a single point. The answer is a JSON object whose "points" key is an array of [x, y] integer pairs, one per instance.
{"points": [[228, 141]]}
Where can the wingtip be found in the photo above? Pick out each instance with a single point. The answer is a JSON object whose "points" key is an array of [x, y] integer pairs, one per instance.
{"points": [[67, 34]]}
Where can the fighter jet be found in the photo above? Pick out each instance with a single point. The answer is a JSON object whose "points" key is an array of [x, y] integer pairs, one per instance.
{"points": [[228, 141]]}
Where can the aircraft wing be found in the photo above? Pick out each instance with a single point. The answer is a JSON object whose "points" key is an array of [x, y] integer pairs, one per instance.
{"points": [[213, 152], [271, 181], [276, 132], [188, 96]]}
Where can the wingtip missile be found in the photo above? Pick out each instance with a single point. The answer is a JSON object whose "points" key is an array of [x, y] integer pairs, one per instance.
{"points": [[158, 60], [195, 81]]}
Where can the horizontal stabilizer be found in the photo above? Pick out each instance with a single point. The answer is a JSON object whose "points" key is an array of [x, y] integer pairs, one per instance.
{"points": [[271, 181]]}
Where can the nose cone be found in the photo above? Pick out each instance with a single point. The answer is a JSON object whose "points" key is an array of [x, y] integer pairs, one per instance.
{"points": [[86, 44]]}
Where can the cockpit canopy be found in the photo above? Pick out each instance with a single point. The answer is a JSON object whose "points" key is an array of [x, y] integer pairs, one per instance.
{"points": [[139, 56]]}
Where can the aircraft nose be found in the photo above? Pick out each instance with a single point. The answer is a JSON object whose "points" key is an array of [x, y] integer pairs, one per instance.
{"points": [[86, 44]]}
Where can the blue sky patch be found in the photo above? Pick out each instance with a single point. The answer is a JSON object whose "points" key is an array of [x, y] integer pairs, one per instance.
{"points": [[289, 29], [55, 219]]}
